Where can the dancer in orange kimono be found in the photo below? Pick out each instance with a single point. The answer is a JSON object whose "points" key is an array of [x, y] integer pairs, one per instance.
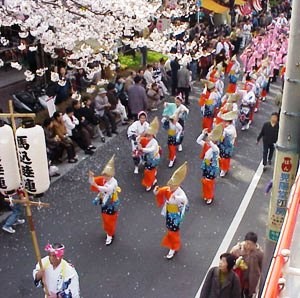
{"points": [[210, 161], [150, 149], [233, 70], [207, 102], [174, 202], [107, 187]]}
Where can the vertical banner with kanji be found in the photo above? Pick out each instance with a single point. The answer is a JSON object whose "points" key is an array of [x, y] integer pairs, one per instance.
{"points": [[284, 177]]}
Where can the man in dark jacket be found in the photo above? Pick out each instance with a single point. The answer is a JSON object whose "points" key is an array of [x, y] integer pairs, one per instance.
{"points": [[174, 78], [269, 133]]}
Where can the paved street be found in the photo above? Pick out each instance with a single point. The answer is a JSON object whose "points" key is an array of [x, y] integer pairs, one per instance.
{"points": [[134, 265]]}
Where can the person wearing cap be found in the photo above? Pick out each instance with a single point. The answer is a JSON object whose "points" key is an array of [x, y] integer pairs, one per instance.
{"points": [[58, 277], [174, 129], [102, 109], [226, 144], [181, 113], [150, 149], [210, 161], [174, 203], [207, 104], [107, 187], [134, 132]]}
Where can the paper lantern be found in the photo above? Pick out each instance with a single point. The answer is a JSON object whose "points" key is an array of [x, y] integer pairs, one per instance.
{"points": [[32, 152], [9, 169]]}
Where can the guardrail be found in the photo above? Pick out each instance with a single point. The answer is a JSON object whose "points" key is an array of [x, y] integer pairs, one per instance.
{"points": [[280, 269]]}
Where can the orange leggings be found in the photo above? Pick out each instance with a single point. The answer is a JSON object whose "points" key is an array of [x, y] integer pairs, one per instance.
{"points": [[207, 122], [224, 164], [172, 240], [208, 188], [172, 152], [110, 223], [149, 177], [231, 88]]}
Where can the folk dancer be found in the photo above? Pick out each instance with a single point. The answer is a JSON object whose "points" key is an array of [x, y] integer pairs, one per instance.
{"points": [[58, 277], [210, 161], [247, 106], [174, 202], [228, 104], [233, 69], [226, 144], [207, 104], [135, 131], [107, 187], [174, 130], [182, 113], [148, 145]]}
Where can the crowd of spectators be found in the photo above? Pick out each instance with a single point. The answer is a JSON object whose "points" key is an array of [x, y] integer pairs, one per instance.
{"points": [[96, 115]]}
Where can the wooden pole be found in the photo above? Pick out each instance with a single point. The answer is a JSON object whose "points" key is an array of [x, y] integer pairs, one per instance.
{"points": [[27, 202]]}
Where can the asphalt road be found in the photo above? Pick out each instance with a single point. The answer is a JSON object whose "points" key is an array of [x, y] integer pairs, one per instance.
{"points": [[134, 265]]}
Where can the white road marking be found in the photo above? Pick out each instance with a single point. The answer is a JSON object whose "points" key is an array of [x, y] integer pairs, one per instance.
{"points": [[235, 222]]}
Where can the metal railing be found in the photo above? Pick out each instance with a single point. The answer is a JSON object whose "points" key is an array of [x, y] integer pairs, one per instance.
{"points": [[283, 279]]}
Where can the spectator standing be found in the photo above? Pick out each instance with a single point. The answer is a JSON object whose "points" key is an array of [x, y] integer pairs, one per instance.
{"points": [[63, 88], [269, 134], [102, 109], [14, 218], [247, 28], [137, 98], [174, 64], [183, 85], [252, 255], [221, 281], [81, 81], [121, 93], [129, 81]]}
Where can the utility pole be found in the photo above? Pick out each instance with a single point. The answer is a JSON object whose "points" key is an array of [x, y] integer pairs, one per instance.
{"points": [[288, 144]]}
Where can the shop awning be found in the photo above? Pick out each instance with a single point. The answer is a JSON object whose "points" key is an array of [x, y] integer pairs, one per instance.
{"points": [[239, 2], [213, 6]]}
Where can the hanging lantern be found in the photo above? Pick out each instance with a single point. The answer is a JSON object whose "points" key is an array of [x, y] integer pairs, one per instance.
{"points": [[9, 170], [33, 157]]}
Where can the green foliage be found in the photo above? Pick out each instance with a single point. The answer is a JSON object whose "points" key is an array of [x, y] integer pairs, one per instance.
{"points": [[274, 2], [130, 62]]}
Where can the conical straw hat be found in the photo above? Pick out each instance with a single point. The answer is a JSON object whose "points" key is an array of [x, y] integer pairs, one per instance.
{"points": [[109, 169], [216, 133], [229, 116], [178, 176], [153, 127]]}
